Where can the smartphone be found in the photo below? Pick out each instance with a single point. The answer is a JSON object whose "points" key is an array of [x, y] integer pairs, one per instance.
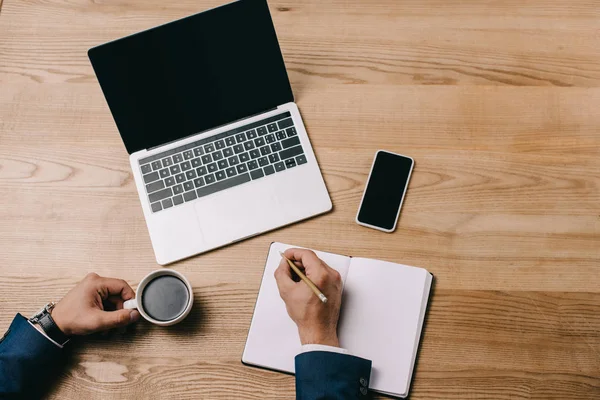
{"points": [[385, 190]]}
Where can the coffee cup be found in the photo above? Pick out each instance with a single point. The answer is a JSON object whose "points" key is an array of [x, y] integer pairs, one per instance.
{"points": [[164, 297]]}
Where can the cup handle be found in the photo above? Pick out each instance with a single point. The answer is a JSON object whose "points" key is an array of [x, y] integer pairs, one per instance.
{"points": [[130, 304]]}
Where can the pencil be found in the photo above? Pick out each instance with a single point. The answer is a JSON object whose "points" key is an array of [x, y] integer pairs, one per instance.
{"points": [[311, 285]]}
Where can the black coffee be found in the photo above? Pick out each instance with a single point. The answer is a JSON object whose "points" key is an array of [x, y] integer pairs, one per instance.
{"points": [[165, 298]]}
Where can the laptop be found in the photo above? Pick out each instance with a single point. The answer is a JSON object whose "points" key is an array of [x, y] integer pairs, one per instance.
{"points": [[217, 145]]}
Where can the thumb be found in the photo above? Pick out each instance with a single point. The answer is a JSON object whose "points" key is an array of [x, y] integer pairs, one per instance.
{"points": [[116, 319]]}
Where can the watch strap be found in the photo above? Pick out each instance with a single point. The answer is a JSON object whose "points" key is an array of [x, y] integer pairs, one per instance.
{"points": [[51, 329]]}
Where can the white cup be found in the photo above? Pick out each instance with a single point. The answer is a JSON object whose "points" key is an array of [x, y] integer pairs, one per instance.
{"points": [[137, 303]]}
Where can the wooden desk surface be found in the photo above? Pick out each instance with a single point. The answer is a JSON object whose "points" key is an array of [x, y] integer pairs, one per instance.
{"points": [[498, 103]]}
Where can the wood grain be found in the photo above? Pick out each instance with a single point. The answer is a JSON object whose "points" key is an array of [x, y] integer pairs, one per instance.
{"points": [[496, 101]]}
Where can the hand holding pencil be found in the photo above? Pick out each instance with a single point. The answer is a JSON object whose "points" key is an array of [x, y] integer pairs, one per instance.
{"points": [[303, 294]]}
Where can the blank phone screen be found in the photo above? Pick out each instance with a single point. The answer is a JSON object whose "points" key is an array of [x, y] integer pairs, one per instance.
{"points": [[385, 190]]}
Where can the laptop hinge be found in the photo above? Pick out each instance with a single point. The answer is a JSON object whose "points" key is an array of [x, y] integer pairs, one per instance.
{"points": [[210, 129]]}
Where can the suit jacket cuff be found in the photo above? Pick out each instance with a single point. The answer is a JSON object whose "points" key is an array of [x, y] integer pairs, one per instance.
{"points": [[328, 375], [321, 347]]}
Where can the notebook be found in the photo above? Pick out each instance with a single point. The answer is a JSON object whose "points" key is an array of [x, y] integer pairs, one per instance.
{"points": [[383, 308]]}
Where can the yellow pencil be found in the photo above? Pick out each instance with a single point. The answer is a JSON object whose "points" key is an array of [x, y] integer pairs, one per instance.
{"points": [[311, 285]]}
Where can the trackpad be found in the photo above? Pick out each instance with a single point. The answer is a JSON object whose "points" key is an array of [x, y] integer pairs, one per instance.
{"points": [[225, 218]]}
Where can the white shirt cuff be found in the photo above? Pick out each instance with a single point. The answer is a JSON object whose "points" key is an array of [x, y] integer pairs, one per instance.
{"points": [[44, 335], [321, 347]]}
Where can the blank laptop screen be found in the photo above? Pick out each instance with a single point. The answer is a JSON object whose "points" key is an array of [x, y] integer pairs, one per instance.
{"points": [[193, 74]]}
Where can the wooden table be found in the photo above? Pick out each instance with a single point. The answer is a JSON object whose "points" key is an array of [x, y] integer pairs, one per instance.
{"points": [[497, 101]]}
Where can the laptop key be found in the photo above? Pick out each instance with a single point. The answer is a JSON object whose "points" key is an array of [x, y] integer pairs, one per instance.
{"points": [[273, 158], [223, 164], [178, 189], [279, 166], [210, 178], [196, 162], [167, 203], [301, 159], [180, 178], [244, 157], [272, 127], [160, 195], [222, 185], [238, 148], [199, 182], [220, 175], [209, 148], [290, 163], [217, 155], [147, 168], [254, 153], [294, 151], [156, 165], [291, 131], [190, 174], [257, 173], [251, 134], [240, 138], [167, 162], [188, 155], [230, 172], [175, 169], [189, 185], [170, 181], [219, 144], [234, 160], [262, 130], [249, 145], [201, 171], [206, 158], [228, 152], [263, 161], [280, 135], [189, 196], [252, 164], [212, 167], [276, 146], [198, 151], [259, 142], [270, 138], [287, 143], [164, 173], [178, 199], [185, 166], [154, 186], [230, 141], [241, 168], [177, 158], [269, 170], [156, 206], [285, 123], [151, 177], [265, 150]]}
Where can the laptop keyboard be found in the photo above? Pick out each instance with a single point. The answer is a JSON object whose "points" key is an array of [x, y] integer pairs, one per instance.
{"points": [[220, 162]]}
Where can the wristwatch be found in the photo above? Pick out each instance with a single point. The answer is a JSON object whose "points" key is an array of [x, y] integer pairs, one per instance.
{"points": [[45, 320]]}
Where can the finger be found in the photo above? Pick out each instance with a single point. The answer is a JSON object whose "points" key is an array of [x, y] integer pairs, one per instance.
{"points": [[114, 287], [312, 264], [115, 319], [115, 301], [283, 276]]}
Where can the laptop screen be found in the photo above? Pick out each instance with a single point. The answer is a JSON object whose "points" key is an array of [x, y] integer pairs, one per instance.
{"points": [[193, 74]]}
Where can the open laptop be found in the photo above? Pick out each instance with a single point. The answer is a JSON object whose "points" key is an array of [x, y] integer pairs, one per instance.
{"points": [[217, 146]]}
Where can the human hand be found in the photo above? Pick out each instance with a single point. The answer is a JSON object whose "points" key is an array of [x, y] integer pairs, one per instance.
{"points": [[82, 311], [316, 321]]}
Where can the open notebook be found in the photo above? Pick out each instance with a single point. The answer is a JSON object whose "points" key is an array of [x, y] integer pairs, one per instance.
{"points": [[383, 307]]}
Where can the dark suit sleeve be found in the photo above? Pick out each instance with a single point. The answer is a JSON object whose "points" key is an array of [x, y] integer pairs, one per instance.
{"points": [[27, 360], [327, 375]]}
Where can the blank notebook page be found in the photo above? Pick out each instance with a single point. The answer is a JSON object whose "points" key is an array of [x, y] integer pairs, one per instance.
{"points": [[382, 312], [273, 340]]}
